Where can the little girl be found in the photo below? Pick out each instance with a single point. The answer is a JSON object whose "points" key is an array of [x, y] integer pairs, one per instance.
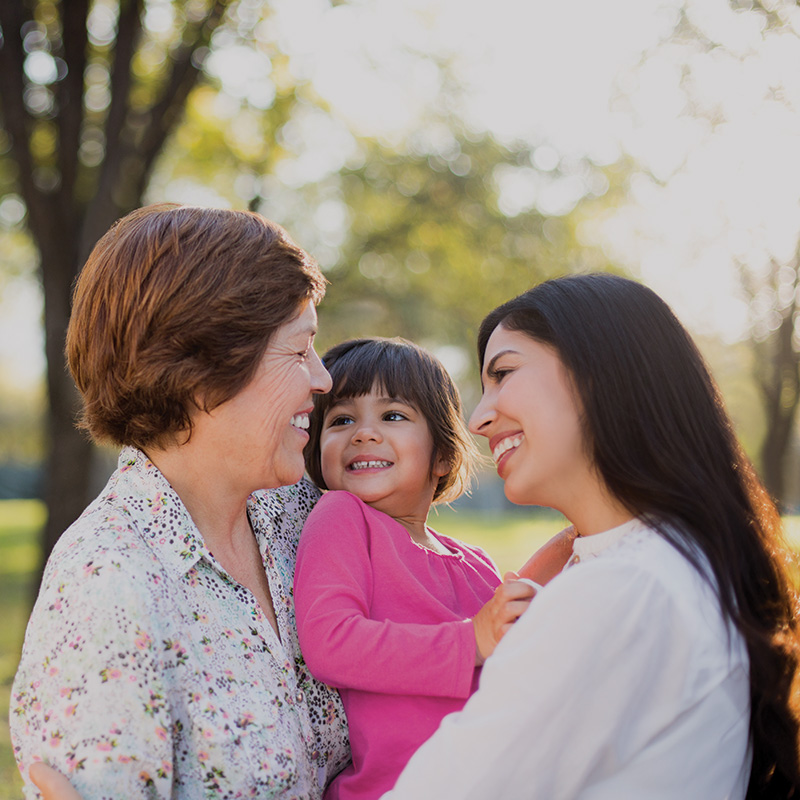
{"points": [[385, 604]]}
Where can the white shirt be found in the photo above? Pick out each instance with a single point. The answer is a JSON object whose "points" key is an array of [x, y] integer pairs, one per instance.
{"points": [[620, 681]]}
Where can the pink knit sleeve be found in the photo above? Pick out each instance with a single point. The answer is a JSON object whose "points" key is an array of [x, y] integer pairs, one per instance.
{"points": [[342, 646]]}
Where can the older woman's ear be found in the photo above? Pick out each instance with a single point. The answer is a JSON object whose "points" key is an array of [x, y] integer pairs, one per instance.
{"points": [[51, 783]]}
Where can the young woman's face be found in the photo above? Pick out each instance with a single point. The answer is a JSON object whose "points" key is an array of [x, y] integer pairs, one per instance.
{"points": [[379, 448], [530, 414]]}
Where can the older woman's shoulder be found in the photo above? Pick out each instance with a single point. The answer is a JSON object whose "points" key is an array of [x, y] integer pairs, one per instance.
{"points": [[103, 553]]}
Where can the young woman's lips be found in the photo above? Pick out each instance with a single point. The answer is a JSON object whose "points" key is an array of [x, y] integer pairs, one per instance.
{"points": [[503, 446]]}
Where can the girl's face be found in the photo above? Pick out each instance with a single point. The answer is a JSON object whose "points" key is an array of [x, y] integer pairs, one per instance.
{"points": [[379, 448], [531, 416]]}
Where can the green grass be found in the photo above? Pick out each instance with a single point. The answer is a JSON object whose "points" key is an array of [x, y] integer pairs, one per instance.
{"points": [[509, 538], [20, 521]]}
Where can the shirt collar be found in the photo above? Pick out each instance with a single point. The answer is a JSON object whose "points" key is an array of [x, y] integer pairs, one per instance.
{"points": [[590, 546], [157, 513], [163, 521]]}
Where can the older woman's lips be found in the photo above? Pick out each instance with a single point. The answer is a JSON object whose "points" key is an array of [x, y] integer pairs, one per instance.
{"points": [[300, 421]]}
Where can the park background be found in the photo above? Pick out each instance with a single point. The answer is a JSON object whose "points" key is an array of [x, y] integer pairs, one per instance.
{"points": [[436, 157]]}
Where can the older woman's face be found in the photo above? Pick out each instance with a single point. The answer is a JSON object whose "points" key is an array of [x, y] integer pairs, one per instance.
{"points": [[260, 433]]}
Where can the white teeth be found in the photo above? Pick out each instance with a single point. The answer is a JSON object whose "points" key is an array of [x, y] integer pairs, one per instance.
{"points": [[300, 421], [369, 464], [506, 445]]}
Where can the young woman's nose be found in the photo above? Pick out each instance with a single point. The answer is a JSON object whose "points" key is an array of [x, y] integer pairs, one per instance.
{"points": [[320, 377], [481, 418]]}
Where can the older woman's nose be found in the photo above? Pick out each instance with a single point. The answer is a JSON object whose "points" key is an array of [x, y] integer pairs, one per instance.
{"points": [[320, 377]]}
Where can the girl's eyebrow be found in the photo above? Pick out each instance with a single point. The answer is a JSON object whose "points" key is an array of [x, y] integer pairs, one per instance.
{"points": [[391, 400]]}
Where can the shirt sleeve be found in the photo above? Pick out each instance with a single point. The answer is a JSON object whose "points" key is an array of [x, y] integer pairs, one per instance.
{"points": [[572, 685], [88, 699], [341, 644]]}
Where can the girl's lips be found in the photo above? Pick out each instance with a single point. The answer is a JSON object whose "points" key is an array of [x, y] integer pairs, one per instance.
{"points": [[367, 463]]}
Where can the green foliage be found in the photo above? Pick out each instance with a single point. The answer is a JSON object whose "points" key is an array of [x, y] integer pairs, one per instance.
{"points": [[429, 251]]}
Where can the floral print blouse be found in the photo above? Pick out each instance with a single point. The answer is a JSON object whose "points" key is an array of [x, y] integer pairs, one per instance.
{"points": [[148, 672]]}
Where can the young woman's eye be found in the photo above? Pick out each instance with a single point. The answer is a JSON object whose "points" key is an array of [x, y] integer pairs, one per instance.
{"points": [[497, 375], [394, 416]]}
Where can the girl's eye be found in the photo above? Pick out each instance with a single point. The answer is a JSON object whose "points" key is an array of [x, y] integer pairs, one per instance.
{"points": [[394, 416], [340, 420]]}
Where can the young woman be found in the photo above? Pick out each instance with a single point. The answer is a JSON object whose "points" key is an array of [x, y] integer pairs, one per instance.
{"points": [[661, 663]]}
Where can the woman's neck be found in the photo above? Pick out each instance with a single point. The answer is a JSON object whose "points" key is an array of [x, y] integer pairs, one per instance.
{"points": [[217, 509], [593, 509]]}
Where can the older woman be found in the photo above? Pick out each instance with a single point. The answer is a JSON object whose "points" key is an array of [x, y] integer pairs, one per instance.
{"points": [[161, 659]]}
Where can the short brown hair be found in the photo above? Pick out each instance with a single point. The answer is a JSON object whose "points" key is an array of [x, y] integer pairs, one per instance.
{"points": [[409, 373], [173, 311]]}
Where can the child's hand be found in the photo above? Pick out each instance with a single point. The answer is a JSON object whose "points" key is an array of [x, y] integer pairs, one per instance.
{"points": [[493, 621], [550, 559], [52, 784]]}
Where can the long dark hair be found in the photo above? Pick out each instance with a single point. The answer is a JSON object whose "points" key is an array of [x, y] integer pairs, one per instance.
{"points": [[658, 433]]}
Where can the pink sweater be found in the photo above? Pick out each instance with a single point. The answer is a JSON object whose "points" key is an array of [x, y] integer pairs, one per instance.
{"points": [[388, 622]]}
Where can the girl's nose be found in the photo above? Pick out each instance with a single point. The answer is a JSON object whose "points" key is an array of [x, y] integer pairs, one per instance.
{"points": [[481, 418], [366, 432]]}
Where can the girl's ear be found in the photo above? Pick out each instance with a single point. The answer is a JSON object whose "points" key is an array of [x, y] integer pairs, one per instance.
{"points": [[441, 467]]}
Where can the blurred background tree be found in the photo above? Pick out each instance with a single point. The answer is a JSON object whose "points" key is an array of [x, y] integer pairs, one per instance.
{"points": [[88, 99], [104, 104], [750, 43], [109, 104]]}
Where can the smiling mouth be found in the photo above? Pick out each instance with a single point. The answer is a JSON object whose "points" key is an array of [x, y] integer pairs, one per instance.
{"points": [[300, 421], [505, 445], [359, 465]]}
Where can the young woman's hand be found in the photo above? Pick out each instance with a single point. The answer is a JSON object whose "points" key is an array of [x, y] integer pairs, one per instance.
{"points": [[51, 783], [497, 616]]}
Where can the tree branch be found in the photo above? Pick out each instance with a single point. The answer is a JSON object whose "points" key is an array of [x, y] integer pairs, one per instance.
{"points": [[17, 120], [102, 209], [185, 72], [69, 101]]}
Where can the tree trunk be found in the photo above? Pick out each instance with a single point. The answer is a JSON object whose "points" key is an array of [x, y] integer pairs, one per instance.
{"points": [[780, 389], [68, 459]]}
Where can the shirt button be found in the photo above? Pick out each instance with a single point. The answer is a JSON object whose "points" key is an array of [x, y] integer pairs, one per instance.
{"points": [[299, 697]]}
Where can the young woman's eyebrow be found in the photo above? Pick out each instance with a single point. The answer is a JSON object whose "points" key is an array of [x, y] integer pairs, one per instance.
{"points": [[495, 358]]}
